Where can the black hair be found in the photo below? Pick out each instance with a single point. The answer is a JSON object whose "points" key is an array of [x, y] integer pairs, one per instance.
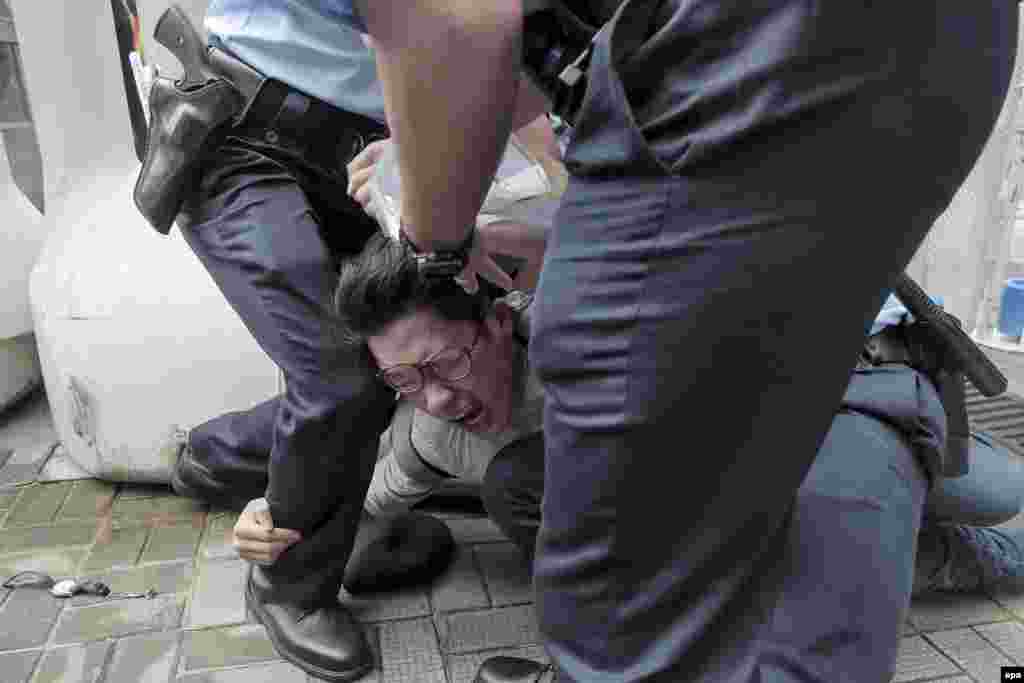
{"points": [[383, 284]]}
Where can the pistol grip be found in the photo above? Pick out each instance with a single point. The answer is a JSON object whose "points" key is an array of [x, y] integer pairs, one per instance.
{"points": [[175, 31]]}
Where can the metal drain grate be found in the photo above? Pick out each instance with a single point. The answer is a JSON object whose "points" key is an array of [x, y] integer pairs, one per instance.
{"points": [[1002, 416]]}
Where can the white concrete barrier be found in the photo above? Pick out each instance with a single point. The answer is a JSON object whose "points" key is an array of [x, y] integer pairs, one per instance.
{"points": [[134, 337]]}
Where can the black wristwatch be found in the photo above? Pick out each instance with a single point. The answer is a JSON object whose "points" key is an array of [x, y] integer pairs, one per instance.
{"points": [[443, 263]]}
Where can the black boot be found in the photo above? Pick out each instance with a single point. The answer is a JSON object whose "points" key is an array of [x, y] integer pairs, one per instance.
{"points": [[510, 670], [388, 554], [307, 625]]}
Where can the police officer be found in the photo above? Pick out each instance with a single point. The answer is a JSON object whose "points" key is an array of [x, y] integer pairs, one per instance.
{"points": [[250, 156], [748, 180], [269, 220], [267, 214]]}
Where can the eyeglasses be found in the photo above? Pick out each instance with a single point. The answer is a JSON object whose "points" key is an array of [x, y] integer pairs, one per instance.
{"points": [[451, 364]]}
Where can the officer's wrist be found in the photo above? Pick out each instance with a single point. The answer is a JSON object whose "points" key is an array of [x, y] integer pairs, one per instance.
{"points": [[417, 246], [439, 263]]}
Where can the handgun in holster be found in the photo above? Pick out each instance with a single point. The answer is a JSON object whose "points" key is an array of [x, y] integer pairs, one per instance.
{"points": [[937, 346], [184, 115]]}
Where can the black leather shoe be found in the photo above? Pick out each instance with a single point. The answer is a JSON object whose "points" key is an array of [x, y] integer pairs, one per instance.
{"points": [[308, 626], [410, 550], [231, 489], [510, 670]]}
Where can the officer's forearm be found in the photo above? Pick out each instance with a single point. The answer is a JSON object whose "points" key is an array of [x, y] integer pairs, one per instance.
{"points": [[450, 72], [530, 103]]}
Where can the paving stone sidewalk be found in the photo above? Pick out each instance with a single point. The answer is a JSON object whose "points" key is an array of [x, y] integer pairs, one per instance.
{"points": [[196, 630]]}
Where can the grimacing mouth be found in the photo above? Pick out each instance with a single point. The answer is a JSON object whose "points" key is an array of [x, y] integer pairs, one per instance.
{"points": [[469, 415]]}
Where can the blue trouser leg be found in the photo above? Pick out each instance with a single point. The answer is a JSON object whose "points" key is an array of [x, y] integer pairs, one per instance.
{"points": [[847, 566], [990, 493], [258, 224], [695, 330], [842, 569]]}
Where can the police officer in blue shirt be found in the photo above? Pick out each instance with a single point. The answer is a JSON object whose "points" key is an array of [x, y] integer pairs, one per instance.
{"points": [[748, 179], [248, 150], [269, 219]]}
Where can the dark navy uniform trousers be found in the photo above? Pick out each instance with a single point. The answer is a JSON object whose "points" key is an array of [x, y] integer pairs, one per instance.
{"points": [[843, 566], [748, 180], [271, 225]]}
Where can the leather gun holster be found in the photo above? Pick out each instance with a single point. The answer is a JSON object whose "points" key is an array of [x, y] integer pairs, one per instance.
{"points": [[184, 114], [181, 122]]}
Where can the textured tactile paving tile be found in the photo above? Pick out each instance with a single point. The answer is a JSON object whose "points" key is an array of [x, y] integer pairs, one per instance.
{"points": [[402, 604], [147, 658], [417, 634], [505, 574], [460, 587], [410, 652], [501, 627]]}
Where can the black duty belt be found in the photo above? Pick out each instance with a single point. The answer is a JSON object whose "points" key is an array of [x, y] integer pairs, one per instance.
{"points": [[279, 114]]}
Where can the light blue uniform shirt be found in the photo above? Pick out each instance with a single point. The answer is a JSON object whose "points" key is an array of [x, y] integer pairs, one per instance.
{"points": [[312, 46], [894, 313]]}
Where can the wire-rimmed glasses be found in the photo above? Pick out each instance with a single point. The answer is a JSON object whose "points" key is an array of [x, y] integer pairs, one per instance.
{"points": [[450, 364]]}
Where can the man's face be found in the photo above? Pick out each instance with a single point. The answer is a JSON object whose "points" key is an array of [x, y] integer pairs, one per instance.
{"points": [[480, 402]]}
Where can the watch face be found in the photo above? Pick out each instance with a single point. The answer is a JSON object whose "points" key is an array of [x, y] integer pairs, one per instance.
{"points": [[436, 267]]}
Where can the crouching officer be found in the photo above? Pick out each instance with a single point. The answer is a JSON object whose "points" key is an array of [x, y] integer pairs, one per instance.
{"points": [[247, 151], [711, 264]]}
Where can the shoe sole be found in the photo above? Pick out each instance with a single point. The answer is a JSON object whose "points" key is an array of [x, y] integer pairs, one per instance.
{"points": [[311, 669]]}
